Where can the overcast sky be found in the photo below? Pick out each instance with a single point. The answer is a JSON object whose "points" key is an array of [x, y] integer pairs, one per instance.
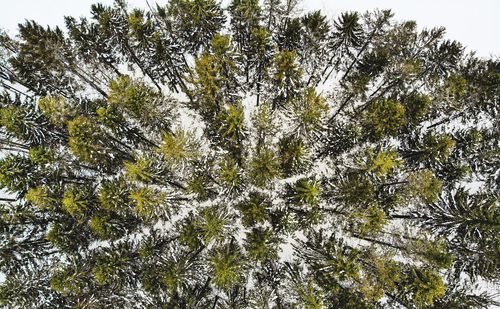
{"points": [[474, 23]]}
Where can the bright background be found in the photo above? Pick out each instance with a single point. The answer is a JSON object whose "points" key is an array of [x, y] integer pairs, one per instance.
{"points": [[474, 23]]}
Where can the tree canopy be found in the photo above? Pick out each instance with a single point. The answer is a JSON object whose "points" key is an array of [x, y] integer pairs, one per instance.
{"points": [[195, 155]]}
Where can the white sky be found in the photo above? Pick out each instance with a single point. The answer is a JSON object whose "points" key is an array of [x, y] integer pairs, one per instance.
{"points": [[474, 23]]}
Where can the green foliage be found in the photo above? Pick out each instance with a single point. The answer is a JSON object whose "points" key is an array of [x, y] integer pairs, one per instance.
{"points": [[75, 201], [371, 221], [355, 190], [196, 22], [149, 203], [264, 167], [68, 281], [230, 174], [143, 169], [87, 142], [425, 287], [261, 244], [435, 253], [41, 197], [438, 147], [56, 109], [382, 162], [384, 276], [309, 111], [232, 123], [286, 77], [188, 233], [177, 274], [114, 195], [254, 210], [309, 296], [66, 236], [105, 227], [179, 147], [41, 155], [140, 101], [384, 118], [207, 82], [294, 155], [455, 86], [306, 192], [264, 123], [107, 268], [198, 185], [330, 253], [424, 186], [226, 266], [16, 120], [417, 107], [212, 224]]}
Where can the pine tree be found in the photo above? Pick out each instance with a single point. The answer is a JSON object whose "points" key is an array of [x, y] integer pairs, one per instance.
{"points": [[193, 155]]}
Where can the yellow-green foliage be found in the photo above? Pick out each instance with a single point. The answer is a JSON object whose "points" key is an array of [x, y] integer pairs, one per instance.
{"points": [[424, 186], [310, 110], [212, 224], [148, 202], [371, 221], [230, 174], [174, 276], [208, 78], [110, 116], [140, 170], [107, 268], [179, 147], [226, 266], [221, 44], [41, 155], [383, 277], [382, 162], [259, 42], [213, 74], [75, 202], [455, 86], [425, 287], [263, 121], [102, 226], [11, 119], [41, 197], [287, 72], [102, 274], [232, 124], [438, 147], [56, 109], [435, 253], [137, 23], [135, 97], [68, 282], [306, 191], [384, 117], [309, 296], [85, 140], [264, 167]]}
